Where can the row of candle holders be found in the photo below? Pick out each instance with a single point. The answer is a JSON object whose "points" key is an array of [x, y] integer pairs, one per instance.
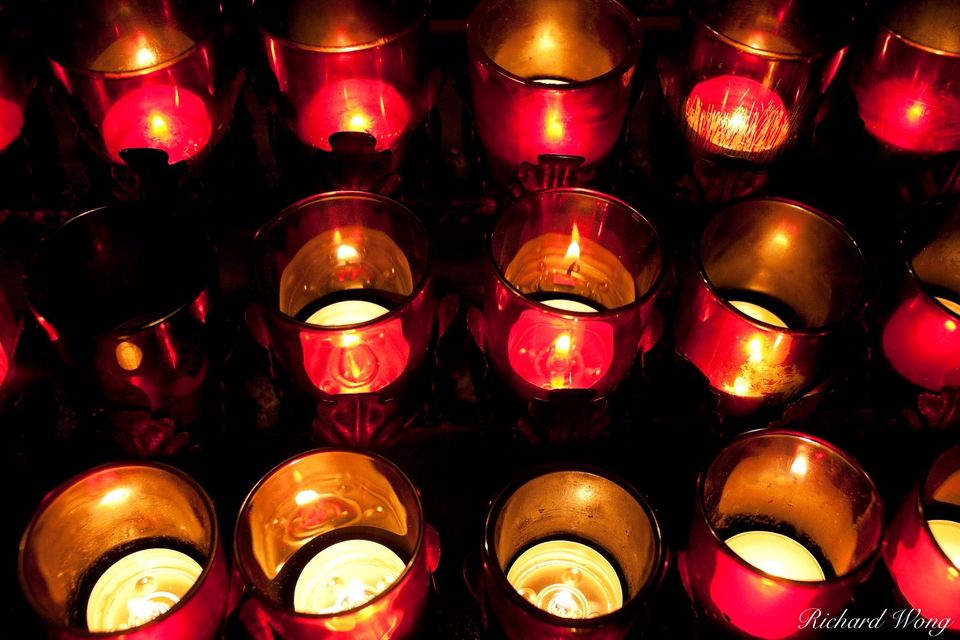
{"points": [[343, 301], [335, 544], [551, 82]]}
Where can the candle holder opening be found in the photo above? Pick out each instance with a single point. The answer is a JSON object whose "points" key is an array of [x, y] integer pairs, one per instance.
{"points": [[920, 338], [594, 533], [752, 73], [776, 283], [550, 78], [761, 549], [144, 75], [922, 549], [83, 534], [571, 273], [113, 296], [333, 541]]}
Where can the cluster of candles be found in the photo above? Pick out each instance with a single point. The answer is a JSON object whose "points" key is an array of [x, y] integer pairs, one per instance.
{"points": [[556, 83], [336, 541]]}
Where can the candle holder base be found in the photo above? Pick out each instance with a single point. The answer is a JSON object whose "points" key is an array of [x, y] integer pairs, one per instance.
{"points": [[553, 171], [366, 420], [147, 176], [566, 416]]}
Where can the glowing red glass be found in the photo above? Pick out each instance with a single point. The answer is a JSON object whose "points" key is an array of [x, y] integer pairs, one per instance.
{"points": [[751, 74], [100, 514], [802, 279], [323, 497], [348, 67], [922, 547], [570, 285], [780, 483], [905, 77], [13, 97], [550, 78], [336, 255], [921, 338], [145, 77]]}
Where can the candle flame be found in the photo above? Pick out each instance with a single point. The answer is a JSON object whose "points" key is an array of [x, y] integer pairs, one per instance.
{"points": [[129, 356], [357, 122], [799, 466], [348, 340], [561, 345], [306, 497], [915, 112], [346, 253], [115, 496], [573, 250], [755, 349], [553, 125], [159, 126]]}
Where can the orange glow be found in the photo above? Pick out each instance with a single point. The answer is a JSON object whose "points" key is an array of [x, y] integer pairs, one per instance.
{"points": [[348, 340], [573, 250], [356, 121], [553, 125], [145, 57], [915, 112], [159, 126], [561, 352], [346, 253], [562, 345]]}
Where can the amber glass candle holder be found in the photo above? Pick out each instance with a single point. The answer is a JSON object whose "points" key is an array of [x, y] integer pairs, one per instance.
{"points": [[550, 78], [123, 293], [922, 548], [344, 294], [334, 544], [144, 75], [784, 522], [353, 75], [750, 75], [771, 301], [905, 76], [569, 288], [570, 553], [921, 339], [127, 551]]}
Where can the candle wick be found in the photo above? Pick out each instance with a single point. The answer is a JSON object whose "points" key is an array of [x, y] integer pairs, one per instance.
{"points": [[573, 268]]}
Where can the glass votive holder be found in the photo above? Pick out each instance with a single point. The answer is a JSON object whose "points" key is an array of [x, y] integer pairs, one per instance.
{"points": [[334, 544], [14, 91], [124, 293], [784, 523], [353, 75], [343, 286], [570, 552], [751, 74], [922, 547], [773, 293], [570, 284], [905, 76], [127, 551], [550, 79], [144, 75], [921, 339]]}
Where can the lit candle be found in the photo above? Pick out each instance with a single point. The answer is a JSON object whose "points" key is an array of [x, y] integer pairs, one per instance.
{"points": [[357, 104], [566, 304], [140, 587], [567, 579], [737, 114], [947, 535], [777, 554], [141, 50], [346, 575], [346, 312], [758, 312], [911, 115], [158, 116], [11, 122]]}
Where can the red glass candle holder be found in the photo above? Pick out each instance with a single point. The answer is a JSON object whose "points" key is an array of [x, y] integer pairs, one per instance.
{"points": [[349, 67], [13, 100], [784, 523], [334, 544], [570, 285], [345, 302], [145, 75], [776, 289], [570, 553], [922, 547], [921, 338], [127, 551], [751, 74], [905, 77], [550, 79], [123, 293]]}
